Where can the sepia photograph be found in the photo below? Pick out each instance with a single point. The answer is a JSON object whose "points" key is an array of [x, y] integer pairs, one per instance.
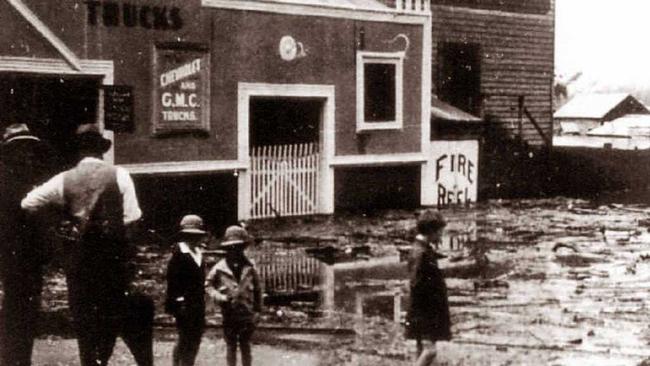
{"points": [[324, 182]]}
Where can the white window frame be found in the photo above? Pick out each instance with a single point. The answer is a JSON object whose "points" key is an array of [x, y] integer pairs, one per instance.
{"points": [[394, 58]]}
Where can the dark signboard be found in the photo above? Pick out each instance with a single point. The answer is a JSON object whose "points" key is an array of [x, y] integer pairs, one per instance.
{"points": [[118, 108], [181, 88]]}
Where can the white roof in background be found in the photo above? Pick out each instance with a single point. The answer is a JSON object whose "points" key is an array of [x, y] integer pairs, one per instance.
{"points": [[349, 4], [632, 125], [570, 128], [590, 105]]}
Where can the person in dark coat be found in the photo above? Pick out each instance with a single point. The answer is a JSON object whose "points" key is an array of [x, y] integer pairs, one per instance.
{"points": [[99, 202], [25, 161], [234, 284], [428, 312], [185, 289]]}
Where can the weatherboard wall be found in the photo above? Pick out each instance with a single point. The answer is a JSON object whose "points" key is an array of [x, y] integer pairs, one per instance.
{"points": [[516, 41]]}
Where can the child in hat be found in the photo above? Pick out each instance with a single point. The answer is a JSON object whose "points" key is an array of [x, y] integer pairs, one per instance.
{"points": [[234, 284], [428, 311], [185, 289]]}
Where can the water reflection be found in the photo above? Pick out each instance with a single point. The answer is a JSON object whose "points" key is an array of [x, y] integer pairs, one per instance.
{"points": [[379, 287]]}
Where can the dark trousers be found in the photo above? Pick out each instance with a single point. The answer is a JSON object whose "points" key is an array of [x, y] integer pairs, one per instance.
{"points": [[190, 331], [98, 276], [19, 314], [99, 320], [238, 334]]}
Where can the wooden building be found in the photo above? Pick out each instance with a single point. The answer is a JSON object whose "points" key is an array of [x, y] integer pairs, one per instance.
{"points": [[585, 112], [238, 109], [232, 109], [495, 59]]}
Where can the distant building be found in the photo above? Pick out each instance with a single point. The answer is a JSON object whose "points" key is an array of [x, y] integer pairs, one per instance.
{"points": [[630, 132], [588, 111]]}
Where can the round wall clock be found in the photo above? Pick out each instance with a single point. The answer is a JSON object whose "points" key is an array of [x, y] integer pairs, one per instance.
{"points": [[288, 48]]}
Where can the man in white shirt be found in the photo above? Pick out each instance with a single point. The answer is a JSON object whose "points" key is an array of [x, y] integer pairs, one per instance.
{"points": [[99, 201]]}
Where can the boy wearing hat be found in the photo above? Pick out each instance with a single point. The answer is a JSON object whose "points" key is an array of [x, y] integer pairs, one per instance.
{"points": [[185, 289], [234, 284], [428, 311]]}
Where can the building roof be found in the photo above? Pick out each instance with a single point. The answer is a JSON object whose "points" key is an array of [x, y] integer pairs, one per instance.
{"points": [[590, 106], [447, 112], [570, 128], [631, 125], [348, 4]]}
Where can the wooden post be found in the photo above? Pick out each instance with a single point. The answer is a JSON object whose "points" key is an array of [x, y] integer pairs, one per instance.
{"points": [[397, 306], [521, 116], [358, 305], [327, 287]]}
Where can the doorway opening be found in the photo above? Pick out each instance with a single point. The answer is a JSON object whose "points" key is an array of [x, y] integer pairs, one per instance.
{"points": [[285, 155], [53, 106], [284, 121]]}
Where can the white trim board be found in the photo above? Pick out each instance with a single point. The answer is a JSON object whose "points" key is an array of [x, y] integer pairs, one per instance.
{"points": [[103, 68], [378, 160], [376, 15], [426, 176], [500, 13], [327, 136], [180, 167]]}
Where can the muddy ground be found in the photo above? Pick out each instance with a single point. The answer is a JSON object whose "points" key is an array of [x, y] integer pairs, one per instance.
{"points": [[566, 283]]}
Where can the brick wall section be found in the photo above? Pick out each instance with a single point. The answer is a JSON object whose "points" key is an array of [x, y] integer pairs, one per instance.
{"points": [[517, 58]]}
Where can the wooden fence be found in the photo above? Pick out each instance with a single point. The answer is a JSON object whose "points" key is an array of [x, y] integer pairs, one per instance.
{"points": [[287, 271], [284, 180]]}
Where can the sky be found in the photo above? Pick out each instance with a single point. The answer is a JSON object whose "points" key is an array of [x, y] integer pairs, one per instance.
{"points": [[606, 39]]}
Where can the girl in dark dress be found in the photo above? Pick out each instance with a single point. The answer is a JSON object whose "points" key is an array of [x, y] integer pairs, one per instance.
{"points": [[428, 312]]}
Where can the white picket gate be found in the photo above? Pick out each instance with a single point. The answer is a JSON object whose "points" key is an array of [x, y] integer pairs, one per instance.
{"points": [[284, 180]]}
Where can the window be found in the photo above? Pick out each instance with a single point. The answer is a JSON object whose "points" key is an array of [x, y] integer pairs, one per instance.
{"points": [[459, 76], [379, 90]]}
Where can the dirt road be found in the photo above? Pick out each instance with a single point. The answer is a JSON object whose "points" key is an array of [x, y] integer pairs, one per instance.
{"points": [[568, 284], [212, 353]]}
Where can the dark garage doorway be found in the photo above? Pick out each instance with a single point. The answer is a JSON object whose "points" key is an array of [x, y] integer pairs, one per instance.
{"points": [[166, 199], [51, 105], [369, 189], [284, 121]]}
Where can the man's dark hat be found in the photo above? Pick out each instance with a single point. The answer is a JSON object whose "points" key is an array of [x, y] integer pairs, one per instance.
{"points": [[88, 137], [17, 131]]}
